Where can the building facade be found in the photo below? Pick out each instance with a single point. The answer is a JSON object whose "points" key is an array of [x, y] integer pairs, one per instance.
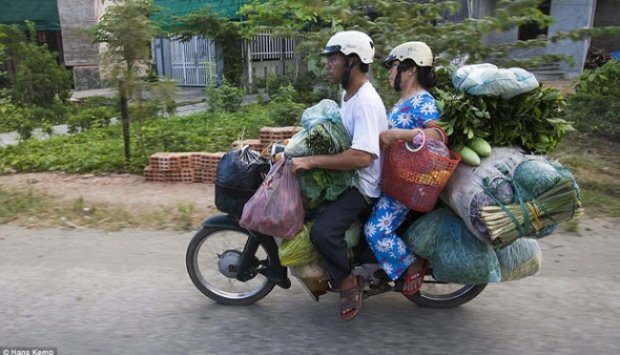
{"points": [[61, 25], [568, 15]]}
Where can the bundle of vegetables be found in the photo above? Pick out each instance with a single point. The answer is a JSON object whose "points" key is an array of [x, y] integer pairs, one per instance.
{"points": [[546, 195], [512, 195], [319, 185], [323, 133], [327, 138], [531, 120]]}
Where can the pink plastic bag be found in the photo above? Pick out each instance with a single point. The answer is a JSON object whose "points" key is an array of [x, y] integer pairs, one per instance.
{"points": [[276, 208]]}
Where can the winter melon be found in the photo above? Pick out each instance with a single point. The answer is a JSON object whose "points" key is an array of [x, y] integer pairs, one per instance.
{"points": [[480, 146], [468, 156]]}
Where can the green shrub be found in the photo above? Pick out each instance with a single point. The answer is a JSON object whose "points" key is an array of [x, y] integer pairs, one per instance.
{"points": [[96, 101], [274, 82], [162, 93], [602, 81], [284, 110], [312, 88], [91, 117], [24, 120], [40, 79], [14, 119], [101, 149], [224, 98], [595, 106], [10, 114]]}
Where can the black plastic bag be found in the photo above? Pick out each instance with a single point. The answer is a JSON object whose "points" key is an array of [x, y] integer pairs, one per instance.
{"points": [[239, 174]]}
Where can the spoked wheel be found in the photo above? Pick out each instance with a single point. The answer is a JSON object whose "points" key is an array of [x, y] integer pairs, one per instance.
{"points": [[437, 294], [212, 261]]}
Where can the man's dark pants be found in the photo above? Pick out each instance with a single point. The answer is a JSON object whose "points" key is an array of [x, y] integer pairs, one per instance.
{"points": [[328, 232]]}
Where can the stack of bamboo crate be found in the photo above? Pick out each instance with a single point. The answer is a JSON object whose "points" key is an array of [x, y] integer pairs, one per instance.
{"points": [[202, 166]]}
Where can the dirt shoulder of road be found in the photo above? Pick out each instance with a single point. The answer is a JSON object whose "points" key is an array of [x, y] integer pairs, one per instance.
{"points": [[133, 193], [111, 189]]}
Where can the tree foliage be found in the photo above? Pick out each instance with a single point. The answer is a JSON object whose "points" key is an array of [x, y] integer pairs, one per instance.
{"points": [[10, 39], [391, 22], [127, 31], [40, 80], [35, 77]]}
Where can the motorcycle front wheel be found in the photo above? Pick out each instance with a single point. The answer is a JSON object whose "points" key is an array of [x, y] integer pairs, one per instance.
{"points": [[437, 294], [212, 262]]}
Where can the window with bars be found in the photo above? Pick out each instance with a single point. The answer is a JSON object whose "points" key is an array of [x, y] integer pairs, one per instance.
{"points": [[265, 46]]}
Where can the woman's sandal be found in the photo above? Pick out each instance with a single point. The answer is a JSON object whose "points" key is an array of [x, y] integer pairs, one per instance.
{"points": [[351, 300], [417, 279]]}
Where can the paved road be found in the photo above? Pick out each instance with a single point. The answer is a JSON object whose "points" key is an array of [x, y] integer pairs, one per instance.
{"points": [[93, 292]]}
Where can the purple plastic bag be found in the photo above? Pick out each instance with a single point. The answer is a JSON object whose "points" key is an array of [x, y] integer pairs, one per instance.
{"points": [[276, 208]]}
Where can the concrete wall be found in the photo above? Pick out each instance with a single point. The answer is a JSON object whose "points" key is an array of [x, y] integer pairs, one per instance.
{"points": [[568, 15], [79, 52], [262, 68]]}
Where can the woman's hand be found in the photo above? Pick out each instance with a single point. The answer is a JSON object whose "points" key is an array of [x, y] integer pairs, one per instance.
{"points": [[387, 137], [390, 136]]}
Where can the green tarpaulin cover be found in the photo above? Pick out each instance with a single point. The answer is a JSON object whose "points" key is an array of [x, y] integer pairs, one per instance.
{"points": [[44, 13], [225, 8]]}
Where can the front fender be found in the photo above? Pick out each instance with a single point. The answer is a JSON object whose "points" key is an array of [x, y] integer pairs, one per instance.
{"points": [[278, 273], [222, 221]]}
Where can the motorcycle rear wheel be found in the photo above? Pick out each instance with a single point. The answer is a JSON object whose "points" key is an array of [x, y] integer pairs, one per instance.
{"points": [[212, 261], [437, 294]]}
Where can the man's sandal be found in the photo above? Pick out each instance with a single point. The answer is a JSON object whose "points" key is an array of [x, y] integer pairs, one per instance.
{"points": [[351, 300]]}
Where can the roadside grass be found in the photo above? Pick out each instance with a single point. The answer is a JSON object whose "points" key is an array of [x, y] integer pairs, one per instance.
{"points": [[39, 210], [595, 164]]}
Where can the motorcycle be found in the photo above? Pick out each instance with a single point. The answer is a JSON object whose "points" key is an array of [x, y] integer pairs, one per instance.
{"points": [[235, 266]]}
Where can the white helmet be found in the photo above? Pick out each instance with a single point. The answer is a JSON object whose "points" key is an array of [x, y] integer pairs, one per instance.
{"points": [[419, 52], [352, 42]]}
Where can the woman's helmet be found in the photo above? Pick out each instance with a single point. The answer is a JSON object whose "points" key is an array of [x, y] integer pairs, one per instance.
{"points": [[352, 42], [419, 52]]}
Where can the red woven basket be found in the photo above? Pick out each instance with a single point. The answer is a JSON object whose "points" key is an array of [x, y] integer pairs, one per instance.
{"points": [[415, 177]]}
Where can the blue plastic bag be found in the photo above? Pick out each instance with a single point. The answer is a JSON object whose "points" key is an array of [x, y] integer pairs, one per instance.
{"points": [[487, 79], [326, 110]]}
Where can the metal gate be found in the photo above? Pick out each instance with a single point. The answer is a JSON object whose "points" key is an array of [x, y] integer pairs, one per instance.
{"points": [[193, 62]]}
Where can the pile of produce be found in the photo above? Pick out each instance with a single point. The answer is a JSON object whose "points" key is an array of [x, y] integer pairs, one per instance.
{"points": [[546, 195], [512, 195], [531, 120], [323, 134]]}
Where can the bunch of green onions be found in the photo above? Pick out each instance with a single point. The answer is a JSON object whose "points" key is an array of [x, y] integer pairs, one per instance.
{"points": [[507, 223]]}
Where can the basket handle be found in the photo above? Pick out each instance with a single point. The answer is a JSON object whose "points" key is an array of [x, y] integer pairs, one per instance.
{"points": [[442, 133], [412, 149]]}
